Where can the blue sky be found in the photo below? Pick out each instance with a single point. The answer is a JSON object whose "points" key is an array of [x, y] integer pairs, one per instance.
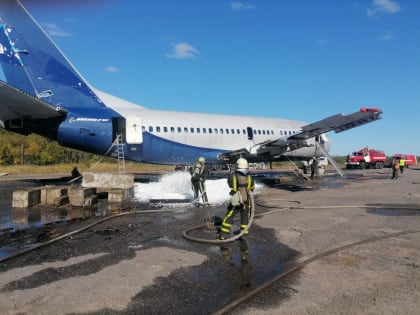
{"points": [[299, 59]]}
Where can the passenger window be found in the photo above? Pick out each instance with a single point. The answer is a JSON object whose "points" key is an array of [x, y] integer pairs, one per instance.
{"points": [[179, 129], [157, 129], [165, 129], [150, 128], [210, 130], [198, 130], [227, 131], [192, 130], [143, 128], [172, 129], [204, 130], [221, 131], [216, 131], [185, 129], [259, 132]]}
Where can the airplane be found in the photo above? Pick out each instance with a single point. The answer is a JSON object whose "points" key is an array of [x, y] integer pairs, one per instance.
{"points": [[43, 93]]}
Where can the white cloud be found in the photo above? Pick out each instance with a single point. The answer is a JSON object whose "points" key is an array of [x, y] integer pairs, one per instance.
{"points": [[53, 30], [383, 6], [388, 36], [111, 69], [239, 6], [183, 51]]}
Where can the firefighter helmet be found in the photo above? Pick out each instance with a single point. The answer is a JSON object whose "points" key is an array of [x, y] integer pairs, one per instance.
{"points": [[201, 159], [241, 163]]}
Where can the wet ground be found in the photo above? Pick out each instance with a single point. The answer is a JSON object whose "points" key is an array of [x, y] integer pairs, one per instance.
{"points": [[251, 262], [186, 277], [43, 216]]}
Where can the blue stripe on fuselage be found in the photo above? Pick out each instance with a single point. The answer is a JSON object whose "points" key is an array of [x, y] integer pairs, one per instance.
{"points": [[157, 150]]}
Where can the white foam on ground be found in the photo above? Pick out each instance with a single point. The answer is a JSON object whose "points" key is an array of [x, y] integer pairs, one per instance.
{"points": [[177, 185]]}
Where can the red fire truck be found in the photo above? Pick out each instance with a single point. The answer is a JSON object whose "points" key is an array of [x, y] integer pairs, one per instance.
{"points": [[366, 158], [409, 158]]}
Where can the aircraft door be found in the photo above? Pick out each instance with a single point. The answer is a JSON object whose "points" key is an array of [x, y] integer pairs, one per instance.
{"points": [[250, 133], [134, 134], [118, 128]]}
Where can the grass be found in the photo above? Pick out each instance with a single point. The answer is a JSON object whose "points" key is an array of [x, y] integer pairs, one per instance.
{"points": [[130, 167]]}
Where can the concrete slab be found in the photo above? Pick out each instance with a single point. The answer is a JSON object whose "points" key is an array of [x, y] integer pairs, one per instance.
{"points": [[51, 194], [26, 198], [78, 195], [108, 180]]}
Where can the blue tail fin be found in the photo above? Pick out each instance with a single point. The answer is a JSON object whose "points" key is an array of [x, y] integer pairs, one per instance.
{"points": [[32, 63]]}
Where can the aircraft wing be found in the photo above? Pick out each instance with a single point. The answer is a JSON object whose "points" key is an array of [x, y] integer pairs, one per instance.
{"points": [[277, 147], [15, 104], [338, 123]]}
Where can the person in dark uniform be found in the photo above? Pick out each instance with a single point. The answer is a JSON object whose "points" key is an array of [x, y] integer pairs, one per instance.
{"points": [[241, 184], [314, 168], [395, 168], [75, 173], [199, 175]]}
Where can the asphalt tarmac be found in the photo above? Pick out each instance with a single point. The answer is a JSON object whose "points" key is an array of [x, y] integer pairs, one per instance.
{"points": [[138, 262]]}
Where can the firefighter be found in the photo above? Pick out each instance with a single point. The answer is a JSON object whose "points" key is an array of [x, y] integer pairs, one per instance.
{"points": [[240, 183], [395, 166], [199, 175], [314, 168]]}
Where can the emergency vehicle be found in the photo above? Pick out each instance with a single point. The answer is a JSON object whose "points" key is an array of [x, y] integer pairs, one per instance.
{"points": [[409, 158], [366, 158]]}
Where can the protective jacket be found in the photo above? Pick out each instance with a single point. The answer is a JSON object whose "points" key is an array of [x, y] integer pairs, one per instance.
{"points": [[199, 175], [198, 172], [241, 180]]}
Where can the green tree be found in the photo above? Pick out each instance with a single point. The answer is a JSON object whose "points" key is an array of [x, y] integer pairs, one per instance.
{"points": [[16, 149]]}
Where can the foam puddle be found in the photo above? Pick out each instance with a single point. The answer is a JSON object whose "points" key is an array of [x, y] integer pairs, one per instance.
{"points": [[177, 186]]}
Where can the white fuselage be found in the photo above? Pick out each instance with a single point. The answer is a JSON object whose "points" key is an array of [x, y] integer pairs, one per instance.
{"points": [[212, 133]]}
